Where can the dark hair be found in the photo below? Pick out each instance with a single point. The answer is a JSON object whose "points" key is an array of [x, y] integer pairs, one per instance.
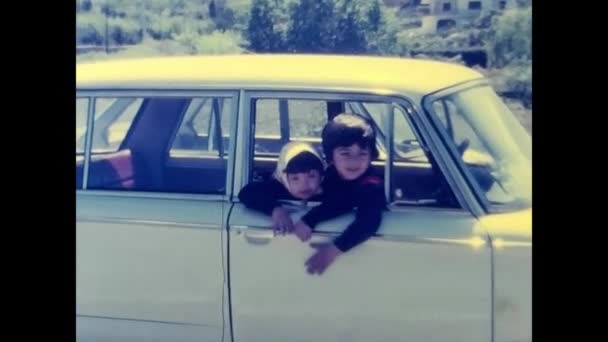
{"points": [[304, 162], [346, 130]]}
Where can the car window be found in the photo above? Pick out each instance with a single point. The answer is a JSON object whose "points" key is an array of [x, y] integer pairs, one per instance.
{"points": [[267, 117], [457, 127], [407, 147], [199, 130], [113, 117], [307, 118], [82, 106], [491, 144], [415, 180], [161, 144], [282, 120]]}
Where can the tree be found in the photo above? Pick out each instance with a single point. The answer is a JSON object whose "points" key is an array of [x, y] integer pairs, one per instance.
{"points": [[212, 10], [90, 28], [124, 31], [85, 5], [311, 26], [178, 7], [113, 9], [262, 29], [510, 39], [349, 35], [379, 36], [374, 17], [222, 15]]}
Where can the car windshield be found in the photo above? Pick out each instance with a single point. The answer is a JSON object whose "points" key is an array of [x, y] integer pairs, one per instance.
{"points": [[494, 146]]}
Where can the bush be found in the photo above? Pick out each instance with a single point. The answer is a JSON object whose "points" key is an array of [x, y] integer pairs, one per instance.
{"points": [[518, 82], [189, 40], [84, 5], [90, 29], [218, 43], [377, 25], [513, 81], [164, 26], [123, 31], [510, 38], [458, 40]]}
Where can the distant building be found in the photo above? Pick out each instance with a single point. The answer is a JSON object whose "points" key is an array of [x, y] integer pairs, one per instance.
{"points": [[437, 15]]}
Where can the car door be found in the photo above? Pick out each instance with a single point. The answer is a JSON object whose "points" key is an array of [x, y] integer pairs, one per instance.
{"points": [[426, 275], [150, 215], [496, 148]]}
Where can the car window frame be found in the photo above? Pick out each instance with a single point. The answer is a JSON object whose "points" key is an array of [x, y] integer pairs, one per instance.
{"points": [[421, 129], [93, 94], [427, 102]]}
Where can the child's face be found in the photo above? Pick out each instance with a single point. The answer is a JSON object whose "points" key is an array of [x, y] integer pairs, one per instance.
{"points": [[352, 161], [304, 185]]}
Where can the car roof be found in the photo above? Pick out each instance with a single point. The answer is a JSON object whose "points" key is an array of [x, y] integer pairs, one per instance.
{"points": [[257, 71]]}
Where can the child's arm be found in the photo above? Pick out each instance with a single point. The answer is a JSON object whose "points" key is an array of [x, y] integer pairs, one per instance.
{"points": [[332, 206], [262, 197], [329, 208], [370, 202]]}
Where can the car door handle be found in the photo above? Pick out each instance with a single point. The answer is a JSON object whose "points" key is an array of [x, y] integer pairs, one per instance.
{"points": [[255, 236], [258, 238]]}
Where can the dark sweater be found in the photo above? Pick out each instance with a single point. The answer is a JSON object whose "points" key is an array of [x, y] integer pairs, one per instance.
{"points": [[264, 196], [365, 193]]}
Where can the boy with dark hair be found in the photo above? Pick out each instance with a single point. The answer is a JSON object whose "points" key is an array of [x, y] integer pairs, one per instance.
{"points": [[349, 144]]}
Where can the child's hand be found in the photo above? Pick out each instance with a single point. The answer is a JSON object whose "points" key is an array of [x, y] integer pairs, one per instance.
{"points": [[302, 231], [281, 222], [326, 253]]}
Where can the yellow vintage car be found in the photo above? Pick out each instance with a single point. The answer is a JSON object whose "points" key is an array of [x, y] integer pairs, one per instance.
{"points": [[166, 252]]}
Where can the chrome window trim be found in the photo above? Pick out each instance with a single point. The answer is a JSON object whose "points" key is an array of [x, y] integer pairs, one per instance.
{"points": [[154, 195]]}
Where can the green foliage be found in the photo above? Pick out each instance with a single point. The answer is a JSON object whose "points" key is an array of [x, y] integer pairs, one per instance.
{"points": [[124, 32], [380, 28], [263, 30], [218, 43], [164, 26], [349, 35], [514, 81], [510, 38], [90, 28], [375, 27], [222, 15], [311, 26], [84, 5], [215, 43]]}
